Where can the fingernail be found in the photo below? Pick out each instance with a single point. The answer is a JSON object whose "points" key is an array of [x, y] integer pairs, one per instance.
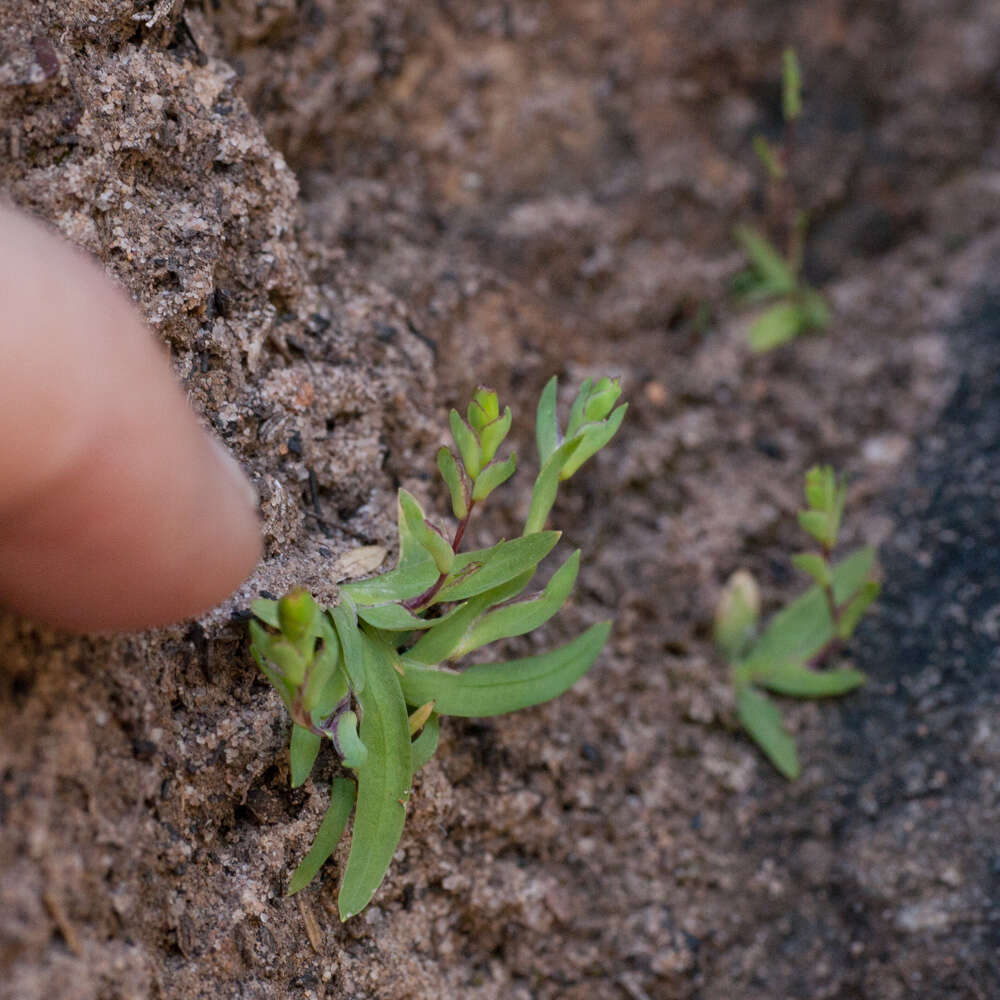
{"points": [[234, 471]]}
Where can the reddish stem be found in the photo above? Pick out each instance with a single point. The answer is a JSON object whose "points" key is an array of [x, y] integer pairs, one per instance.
{"points": [[418, 602]]}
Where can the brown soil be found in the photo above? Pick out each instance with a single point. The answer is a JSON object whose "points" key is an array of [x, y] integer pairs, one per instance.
{"points": [[340, 216]]}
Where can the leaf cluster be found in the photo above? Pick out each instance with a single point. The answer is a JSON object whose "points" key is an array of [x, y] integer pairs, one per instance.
{"points": [[374, 674], [772, 276], [783, 659]]}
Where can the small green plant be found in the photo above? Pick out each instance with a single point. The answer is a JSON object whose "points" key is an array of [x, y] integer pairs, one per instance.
{"points": [[373, 675], [807, 633], [773, 276]]}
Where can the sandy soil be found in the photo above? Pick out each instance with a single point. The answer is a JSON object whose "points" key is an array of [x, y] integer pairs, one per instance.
{"points": [[339, 217]]}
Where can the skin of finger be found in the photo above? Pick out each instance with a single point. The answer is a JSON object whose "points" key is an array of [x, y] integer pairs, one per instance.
{"points": [[116, 511]]}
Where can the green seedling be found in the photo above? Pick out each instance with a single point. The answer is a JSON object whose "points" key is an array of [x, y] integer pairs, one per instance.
{"points": [[374, 674], [773, 277], [805, 634]]}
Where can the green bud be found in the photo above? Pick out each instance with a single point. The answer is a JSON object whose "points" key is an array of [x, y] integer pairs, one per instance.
{"points": [[296, 613], [484, 408], [737, 613], [601, 399]]}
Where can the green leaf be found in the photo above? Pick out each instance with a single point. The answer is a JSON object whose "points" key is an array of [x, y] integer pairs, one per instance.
{"points": [[593, 438], [770, 160], [801, 629], [440, 641], [302, 753], [267, 611], [425, 745], [547, 485], [327, 683], [766, 260], [791, 85], [851, 573], [762, 720], [524, 616], [851, 615], [468, 446], [775, 326], [576, 417], [424, 533], [329, 833], [345, 622], [383, 780], [494, 566], [601, 399], [392, 618], [496, 688], [399, 584], [799, 681], [493, 476], [456, 484], [816, 313], [352, 750], [817, 524], [493, 435], [815, 565], [546, 425], [291, 667], [820, 487]]}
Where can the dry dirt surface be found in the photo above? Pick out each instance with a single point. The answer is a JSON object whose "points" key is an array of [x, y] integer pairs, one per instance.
{"points": [[342, 214]]}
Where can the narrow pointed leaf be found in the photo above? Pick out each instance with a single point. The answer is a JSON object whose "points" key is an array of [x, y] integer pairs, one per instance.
{"points": [[791, 85], [497, 565], [329, 833], [817, 524], [767, 156], [799, 681], [327, 681], [399, 584], [546, 425], [383, 781], [496, 688], [345, 622], [547, 486], [440, 641], [524, 616], [493, 435], [801, 629], [766, 260], [815, 565], [762, 720], [302, 753], [392, 618], [775, 326], [859, 604], [593, 438], [468, 446], [851, 573], [576, 417], [425, 745], [493, 476], [456, 485]]}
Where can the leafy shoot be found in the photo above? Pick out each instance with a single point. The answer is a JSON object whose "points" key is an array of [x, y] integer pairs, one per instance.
{"points": [[374, 674], [808, 632]]}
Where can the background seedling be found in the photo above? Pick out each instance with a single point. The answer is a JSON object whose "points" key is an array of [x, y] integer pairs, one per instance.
{"points": [[374, 674], [806, 634], [775, 277]]}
